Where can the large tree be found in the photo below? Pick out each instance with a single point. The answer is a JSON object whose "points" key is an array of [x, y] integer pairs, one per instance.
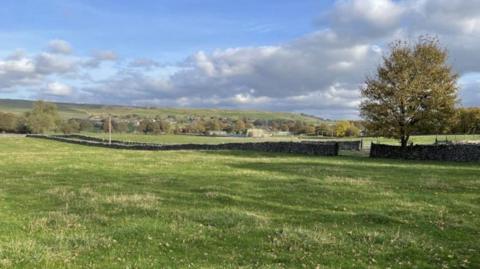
{"points": [[9, 122], [413, 92], [43, 118]]}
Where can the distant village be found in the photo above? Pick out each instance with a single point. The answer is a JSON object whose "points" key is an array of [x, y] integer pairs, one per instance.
{"points": [[45, 117], [218, 126]]}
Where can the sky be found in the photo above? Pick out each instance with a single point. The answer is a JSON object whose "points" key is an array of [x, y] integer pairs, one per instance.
{"points": [[308, 56]]}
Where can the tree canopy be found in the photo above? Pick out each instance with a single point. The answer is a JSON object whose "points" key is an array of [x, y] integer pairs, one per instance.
{"points": [[9, 122], [413, 92], [467, 121], [43, 118]]}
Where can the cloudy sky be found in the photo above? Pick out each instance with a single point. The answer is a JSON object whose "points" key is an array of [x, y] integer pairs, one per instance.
{"points": [[303, 56]]}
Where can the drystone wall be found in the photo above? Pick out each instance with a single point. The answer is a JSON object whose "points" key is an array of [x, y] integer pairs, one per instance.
{"points": [[330, 149], [343, 145], [451, 153]]}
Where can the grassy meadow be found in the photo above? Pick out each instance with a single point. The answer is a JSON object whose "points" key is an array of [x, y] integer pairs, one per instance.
{"points": [[71, 206], [185, 139]]}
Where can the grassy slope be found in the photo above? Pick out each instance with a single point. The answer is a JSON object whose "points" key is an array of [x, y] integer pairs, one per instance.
{"points": [[72, 206], [182, 139], [83, 111], [66, 110]]}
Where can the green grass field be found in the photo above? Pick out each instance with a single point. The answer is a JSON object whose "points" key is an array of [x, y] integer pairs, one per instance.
{"points": [[417, 139], [185, 139], [427, 139], [70, 206]]}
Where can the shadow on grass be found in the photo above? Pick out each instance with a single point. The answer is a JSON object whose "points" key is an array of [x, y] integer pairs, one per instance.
{"points": [[357, 157]]}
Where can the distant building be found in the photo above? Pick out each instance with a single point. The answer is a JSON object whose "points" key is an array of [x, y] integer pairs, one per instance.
{"points": [[282, 133], [97, 121], [217, 133], [258, 133]]}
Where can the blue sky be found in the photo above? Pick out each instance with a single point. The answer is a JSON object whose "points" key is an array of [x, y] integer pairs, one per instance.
{"points": [[281, 55], [169, 30]]}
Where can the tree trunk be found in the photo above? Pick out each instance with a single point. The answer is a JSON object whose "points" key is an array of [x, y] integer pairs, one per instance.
{"points": [[404, 141]]}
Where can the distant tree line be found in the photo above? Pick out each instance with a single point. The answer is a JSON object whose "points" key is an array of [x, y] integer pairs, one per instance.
{"points": [[44, 118], [466, 121]]}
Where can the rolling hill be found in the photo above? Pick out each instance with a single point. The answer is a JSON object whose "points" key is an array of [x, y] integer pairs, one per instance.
{"points": [[82, 111]]}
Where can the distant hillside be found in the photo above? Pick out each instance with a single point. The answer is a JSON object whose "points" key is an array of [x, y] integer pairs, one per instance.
{"points": [[83, 111]]}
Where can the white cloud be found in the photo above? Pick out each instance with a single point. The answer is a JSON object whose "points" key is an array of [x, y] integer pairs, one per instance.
{"points": [[20, 65], [60, 46], [17, 70], [58, 89], [296, 68], [48, 63], [366, 18], [106, 55], [101, 56], [32, 71], [447, 16], [248, 99], [145, 63], [378, 13]]}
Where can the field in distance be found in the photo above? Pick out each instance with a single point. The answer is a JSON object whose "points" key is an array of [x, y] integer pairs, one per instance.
{"points": [[187, 139], [196, 139], [83, 111], [69, 206]]}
